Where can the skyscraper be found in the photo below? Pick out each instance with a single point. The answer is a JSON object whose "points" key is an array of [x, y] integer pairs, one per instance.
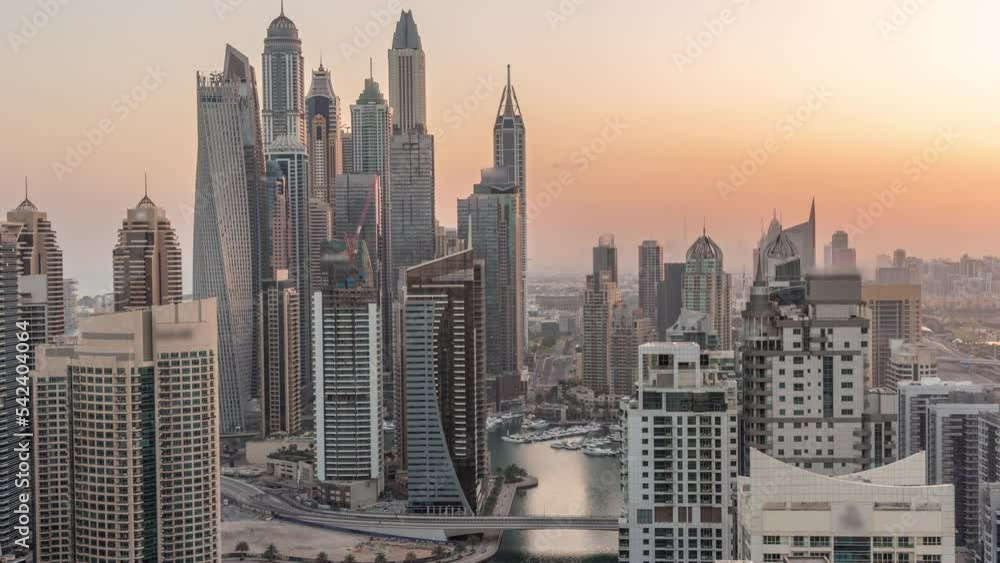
{"points": [[669, 506], [371, 136], [347, 363], [915, 400], [413, 197], [70, 286], [669, 295], [357, 210], [281, 367], [650, 276], [283, 111], [147, 259], [606, 257], [989, 488], [227, 257], [802, 236], [629, 329], [10, 266], [445, 382], [601, 297], [292, 159], [509, 152], [708, 288], [839, 254], [488, 219], [39, 254], [894, 310], [33, 308], [320, 231], [162, 361], [323, 111], [407, 77], [803, 375]]}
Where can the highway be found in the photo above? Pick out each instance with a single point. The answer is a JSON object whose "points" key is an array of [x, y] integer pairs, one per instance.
{"points": [[438, 528]]}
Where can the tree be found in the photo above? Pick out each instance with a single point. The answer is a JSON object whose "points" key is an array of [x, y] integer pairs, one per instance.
{"points": [[322, 557], [271, 553], [381, 558], [410, 557], [349, 558], [439, 552], [242, 548]]}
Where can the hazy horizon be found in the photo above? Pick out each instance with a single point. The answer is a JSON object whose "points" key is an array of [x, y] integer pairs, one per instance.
{"points": [[839, 99]]}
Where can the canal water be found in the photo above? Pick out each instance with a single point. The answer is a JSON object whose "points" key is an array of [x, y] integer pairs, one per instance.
{"points": [[569, 483]]}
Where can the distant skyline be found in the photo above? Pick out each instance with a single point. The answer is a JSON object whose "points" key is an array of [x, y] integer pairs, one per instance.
{"points": [[838, 97]]}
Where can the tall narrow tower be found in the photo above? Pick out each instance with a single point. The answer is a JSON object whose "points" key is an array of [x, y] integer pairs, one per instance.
{"points": [[39, 254], [407, 77], [147, 259], [227, 257], [324, 118], [284, 111], [509, 152]]}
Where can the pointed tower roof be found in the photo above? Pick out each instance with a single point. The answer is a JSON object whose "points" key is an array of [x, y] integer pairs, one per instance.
{"points": [[145, 202], [508, 102], [237, 65], [406, 35], [781, 247], [704, 249], [372, 94], [26, 205], [322, 84]]}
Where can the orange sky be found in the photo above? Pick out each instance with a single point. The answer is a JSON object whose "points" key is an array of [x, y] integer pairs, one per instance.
{"points": [[893, 81]]}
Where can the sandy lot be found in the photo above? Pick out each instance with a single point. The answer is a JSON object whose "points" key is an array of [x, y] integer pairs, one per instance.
{"points": [[305, 541]]}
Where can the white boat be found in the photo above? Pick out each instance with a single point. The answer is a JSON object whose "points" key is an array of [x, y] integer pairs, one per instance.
{"points": [[516, 439], [558, 445], [599, 452]]}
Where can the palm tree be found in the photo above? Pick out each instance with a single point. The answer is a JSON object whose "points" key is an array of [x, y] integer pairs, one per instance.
{"points": [[242, 548], [410, 557], [271, 553], [381, 558], [322, 557], [439, 552]]}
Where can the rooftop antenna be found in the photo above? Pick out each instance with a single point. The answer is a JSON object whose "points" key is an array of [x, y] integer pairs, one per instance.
{"points": [[145, 182], [25, 187], [282, 7], [371, 69]]}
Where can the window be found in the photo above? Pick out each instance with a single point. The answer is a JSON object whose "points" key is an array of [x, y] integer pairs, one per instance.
{"points": [[902, 558], [928, 558], [882, 557], [904, 541], [772, 540], [799, 541], [883, 541], [931, 540], [770, 557], [644, 516], [819, 541]]}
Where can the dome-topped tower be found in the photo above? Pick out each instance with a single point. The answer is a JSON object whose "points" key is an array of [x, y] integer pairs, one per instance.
{"points": [[282, 26], [781, 248], [704, 249]]}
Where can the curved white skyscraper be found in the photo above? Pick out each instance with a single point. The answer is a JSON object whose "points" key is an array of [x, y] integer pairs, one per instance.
{"points": [[226, 256], [284, 81]]}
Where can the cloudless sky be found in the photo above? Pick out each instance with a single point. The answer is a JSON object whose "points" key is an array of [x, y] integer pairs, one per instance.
{"points": [[895, 73]]}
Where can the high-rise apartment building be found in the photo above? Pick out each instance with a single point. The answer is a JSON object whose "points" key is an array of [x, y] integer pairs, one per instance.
{"points": [[147, 259], [407, 77], [879, 428], [803, 375], [953, 458], [163, 362], [629, 329], [509, 152], [708, 288], [802, 236], [650, 276], [11, 264], [356, 210], [916, 398], [839, 255], [39, 254], [320, 231], [292, 160], [347, 363], [33, 308], [283, 112], [227, 261], [72, 294], [412, 164], [669, 297], [989, 487], [489, 220], [371, 136], [323, 116], [444, 373], [680, 459], [600, 299], [281, 366], [446, 241], [894, 310]]}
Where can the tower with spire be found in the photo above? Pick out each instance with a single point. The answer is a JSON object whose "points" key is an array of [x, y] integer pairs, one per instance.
{"points": [[146, 259], [407, 77], [509, 152], [708, 288], [283, 111], [323, 112], [39, 254]]}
